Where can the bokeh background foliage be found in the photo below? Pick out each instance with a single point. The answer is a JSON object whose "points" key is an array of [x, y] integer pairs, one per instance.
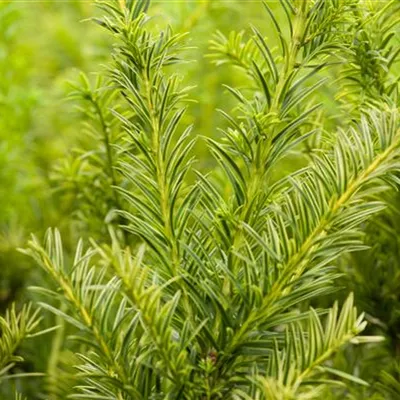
{"points": [[52, 172]]}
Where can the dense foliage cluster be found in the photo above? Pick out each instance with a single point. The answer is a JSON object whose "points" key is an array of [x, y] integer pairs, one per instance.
{"points": [[223, 229]]}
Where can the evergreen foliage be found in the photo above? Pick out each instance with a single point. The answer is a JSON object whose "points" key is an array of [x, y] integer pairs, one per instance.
{"points": [[220, 279]]}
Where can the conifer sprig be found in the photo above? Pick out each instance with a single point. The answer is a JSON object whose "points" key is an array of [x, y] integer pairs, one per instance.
{"points": [[210, 299], [14, 328]]}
